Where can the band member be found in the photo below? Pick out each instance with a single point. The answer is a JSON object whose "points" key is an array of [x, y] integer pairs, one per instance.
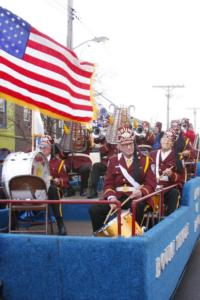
{"points": [[59, 178], [188, 131], [184, 148], [169, 170], [81, 163], [128, 174], [99, 168], [158, 135], [144, 137], [182, 144], [3, 153]]}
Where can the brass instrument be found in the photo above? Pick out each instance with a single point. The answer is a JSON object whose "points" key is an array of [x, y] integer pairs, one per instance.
{"points": [[120, 117], [75, 137]]}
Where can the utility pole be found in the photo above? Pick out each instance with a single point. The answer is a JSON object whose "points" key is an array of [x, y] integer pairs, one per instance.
{"points": [[70, 18], [168, 89], [195, 115]]}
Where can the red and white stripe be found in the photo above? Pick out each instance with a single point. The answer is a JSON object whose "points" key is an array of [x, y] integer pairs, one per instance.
{"points": [[49, 77]]}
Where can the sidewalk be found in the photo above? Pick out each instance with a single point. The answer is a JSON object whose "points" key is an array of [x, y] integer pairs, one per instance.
{"points": [[189, 288]]}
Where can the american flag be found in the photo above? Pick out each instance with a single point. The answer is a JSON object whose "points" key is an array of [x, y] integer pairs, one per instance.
{"points": [[37, 72]]}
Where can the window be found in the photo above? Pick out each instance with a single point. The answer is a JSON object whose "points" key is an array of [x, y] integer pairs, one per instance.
{"points": [[27, 117], [3, 113]]}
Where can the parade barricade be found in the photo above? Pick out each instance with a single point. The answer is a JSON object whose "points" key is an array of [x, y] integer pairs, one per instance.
{"points": [[142, 267]]}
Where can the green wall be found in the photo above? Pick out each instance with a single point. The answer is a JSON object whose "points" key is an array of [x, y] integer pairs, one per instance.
{"points": [[7, 135]]}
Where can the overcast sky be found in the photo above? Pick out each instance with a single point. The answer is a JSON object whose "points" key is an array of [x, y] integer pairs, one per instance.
{"points": [[151, 42]]}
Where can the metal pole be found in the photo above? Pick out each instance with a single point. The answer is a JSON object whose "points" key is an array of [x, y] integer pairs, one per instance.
{"points": [[168, 97], [195, 116], [169, 88], [70, 18]]}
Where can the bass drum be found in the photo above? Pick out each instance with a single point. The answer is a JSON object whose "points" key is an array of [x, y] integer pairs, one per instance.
{"points": [[21, 163], [111, 229]]}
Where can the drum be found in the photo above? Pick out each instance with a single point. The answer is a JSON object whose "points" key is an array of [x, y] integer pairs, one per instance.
{"points": [[156, 202], [95, 157], [111, 229], [21, 163]]}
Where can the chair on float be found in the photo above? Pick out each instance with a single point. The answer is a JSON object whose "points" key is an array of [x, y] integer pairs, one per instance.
{"points": [[152, 216], [3, 220], [28, 187]]}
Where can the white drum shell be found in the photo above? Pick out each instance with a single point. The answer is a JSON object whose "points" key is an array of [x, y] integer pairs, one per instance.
{"points": [[22, 163]]}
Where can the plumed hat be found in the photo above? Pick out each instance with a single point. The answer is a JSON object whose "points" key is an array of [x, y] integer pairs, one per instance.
{"points": [[47, 139], [175, 123], [185, 122], [170, 134], [125, 135]]}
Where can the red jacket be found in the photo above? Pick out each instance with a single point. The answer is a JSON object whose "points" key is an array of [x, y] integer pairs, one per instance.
{"points": [[168, 162], [190, 135], [75, 160], [58, 170], [114, 177]]}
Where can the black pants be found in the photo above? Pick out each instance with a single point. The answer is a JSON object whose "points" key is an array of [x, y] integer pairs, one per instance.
{"points": [[54, 194], [98, 213], [84, 173], [2, 196], [171, 200], [97, 170]]}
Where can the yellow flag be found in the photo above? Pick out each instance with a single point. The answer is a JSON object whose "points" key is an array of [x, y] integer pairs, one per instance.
{"points": [[66, 129]]}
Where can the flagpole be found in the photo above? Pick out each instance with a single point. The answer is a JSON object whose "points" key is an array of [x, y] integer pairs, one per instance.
{"points": [[37, 129], [32, 130]]}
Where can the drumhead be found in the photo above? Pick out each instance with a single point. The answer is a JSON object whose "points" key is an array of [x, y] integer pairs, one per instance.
{"points": [[21, 163], [95, 157]]}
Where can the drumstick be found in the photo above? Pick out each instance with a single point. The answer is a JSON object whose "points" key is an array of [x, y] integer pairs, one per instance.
{"points": [[121, 205], [126, 200], [107, 217]]}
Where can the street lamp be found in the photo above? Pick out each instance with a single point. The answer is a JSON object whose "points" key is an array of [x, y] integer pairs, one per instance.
{"points": [[96, 39]]}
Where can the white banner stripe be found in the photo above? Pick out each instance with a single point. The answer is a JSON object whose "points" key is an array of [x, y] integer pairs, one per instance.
{"points": [[43, 72], [43, 41], [47, 58], [46, 87], [46, 101]]}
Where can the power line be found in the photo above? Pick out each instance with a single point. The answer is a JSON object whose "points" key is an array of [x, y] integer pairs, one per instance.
{"points": [[57, 5]]}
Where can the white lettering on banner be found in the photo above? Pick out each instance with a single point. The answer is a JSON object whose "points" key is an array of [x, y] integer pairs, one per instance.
{"points": [[181, 237], [196, 223], [197, 207], [169, 252], [196, 192]]}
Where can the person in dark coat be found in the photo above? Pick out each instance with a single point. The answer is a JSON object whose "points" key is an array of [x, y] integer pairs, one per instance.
{"points": [[106, 150], [3, 154], [158, 135], [80, 162], [59, 178]]}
